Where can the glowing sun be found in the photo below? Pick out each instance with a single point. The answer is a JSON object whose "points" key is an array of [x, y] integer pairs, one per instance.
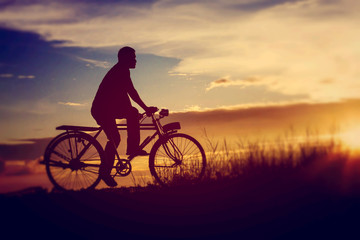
{"points": [[351, 138]]}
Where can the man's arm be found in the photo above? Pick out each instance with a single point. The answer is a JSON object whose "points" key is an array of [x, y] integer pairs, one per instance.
{"points": [[135, 96]]}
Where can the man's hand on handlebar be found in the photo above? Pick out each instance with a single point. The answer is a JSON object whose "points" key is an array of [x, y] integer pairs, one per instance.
{"points": [[151, 110]]}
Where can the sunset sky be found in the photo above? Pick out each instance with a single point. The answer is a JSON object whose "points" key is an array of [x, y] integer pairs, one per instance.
{"points": [[192, 56], [236, 68]]}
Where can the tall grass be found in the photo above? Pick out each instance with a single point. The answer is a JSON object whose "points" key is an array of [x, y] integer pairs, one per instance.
{"points": [[309, 158], [284, 154]]}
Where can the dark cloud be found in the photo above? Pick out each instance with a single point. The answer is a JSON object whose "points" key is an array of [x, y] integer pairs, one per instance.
{"points": [[270, 120], [84, 9], [221, 81], [32, 150], [6, 3], [133, 2], [263, 4], [51, 68]]}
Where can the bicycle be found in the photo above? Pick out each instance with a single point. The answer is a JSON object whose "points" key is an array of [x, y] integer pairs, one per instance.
{"points": [[73, 158]]}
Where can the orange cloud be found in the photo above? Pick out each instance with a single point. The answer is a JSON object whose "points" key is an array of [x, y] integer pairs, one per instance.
{"points": [[26, 76], [72, 104], [6, 75], [225, 82], [271, 120]]}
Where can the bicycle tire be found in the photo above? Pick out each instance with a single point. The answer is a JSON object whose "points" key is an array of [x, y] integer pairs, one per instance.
{"points": [[185, 149], [53, 140], [61, 169]]}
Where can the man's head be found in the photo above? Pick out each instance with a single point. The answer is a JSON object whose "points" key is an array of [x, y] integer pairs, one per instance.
{"points": [[127, 57]]}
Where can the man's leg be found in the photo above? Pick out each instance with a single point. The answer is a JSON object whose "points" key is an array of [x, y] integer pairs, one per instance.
{"points": [[113, 136], [133, 130]]}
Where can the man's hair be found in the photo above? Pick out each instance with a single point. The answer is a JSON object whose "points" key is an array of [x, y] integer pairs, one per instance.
{"points": [[124, 53]]}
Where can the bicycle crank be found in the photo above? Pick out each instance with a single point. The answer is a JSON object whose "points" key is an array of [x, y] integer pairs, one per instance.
{"points": [[123, 167]]}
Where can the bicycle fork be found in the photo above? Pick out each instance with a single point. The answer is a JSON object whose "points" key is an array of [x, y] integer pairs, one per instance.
{"points": [[176, 154]]}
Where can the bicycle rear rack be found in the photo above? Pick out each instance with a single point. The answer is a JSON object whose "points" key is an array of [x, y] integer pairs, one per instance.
{"points": [[144, 126]]}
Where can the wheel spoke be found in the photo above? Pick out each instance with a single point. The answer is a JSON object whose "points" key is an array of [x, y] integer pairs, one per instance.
{"points": [[186, 149], [66, 168]]}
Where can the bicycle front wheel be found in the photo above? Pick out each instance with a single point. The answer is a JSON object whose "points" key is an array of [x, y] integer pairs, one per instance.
{"points": [[177, 159], [72, 162]]}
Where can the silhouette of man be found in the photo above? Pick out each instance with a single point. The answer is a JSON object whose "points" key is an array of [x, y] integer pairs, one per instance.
{"points": [[112, 102]]}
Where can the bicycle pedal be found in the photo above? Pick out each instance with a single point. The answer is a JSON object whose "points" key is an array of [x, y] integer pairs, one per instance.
{"points": [[123, 167]]}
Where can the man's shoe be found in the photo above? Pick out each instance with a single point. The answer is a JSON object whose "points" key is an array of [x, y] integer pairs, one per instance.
{"points": [[109, 180], [138, 153]]}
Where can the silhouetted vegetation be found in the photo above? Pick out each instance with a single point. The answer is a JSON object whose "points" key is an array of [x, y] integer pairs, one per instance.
{"points": [[307, 188], [2, 165], [309, 158]]}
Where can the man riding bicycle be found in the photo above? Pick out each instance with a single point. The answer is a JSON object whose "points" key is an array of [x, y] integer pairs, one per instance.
{"points": [[112, 102]]}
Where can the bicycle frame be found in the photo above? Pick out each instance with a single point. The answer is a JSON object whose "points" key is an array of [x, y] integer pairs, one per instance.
{"points": [[155, 125]]}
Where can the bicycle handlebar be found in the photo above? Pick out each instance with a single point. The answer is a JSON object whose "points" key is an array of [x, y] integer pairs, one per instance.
{"points": [[162, 112], [151, 110]]}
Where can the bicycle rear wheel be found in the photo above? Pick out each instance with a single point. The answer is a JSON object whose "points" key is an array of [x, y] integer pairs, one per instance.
{"points": [[72, 162], [54, 140], [177, 159]]}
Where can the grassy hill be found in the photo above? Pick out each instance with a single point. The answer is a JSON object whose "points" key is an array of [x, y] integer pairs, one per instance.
{"points": [[308, 191]]}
